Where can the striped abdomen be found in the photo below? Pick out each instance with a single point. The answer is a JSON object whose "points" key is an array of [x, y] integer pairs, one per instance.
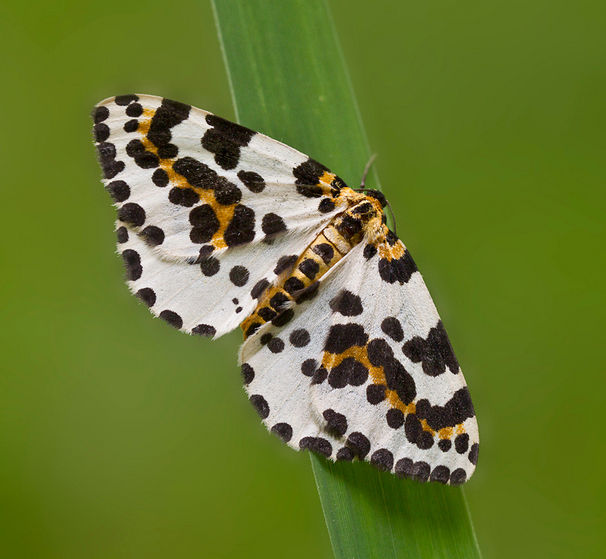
{"points": [[299, 279]]}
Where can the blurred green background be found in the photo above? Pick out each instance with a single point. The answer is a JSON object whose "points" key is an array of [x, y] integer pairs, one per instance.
{"points": [[120, 437]]}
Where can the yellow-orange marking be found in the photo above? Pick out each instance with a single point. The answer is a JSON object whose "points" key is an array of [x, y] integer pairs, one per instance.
{"points": [[224, 213]]}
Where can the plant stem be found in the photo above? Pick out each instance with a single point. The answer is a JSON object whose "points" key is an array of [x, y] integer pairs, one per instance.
{"points": [[288, 80]]}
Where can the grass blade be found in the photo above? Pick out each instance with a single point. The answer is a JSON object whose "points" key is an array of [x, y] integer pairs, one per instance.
{"points": [[289, 80]]}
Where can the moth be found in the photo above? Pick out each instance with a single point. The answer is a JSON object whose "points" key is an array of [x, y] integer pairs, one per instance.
{"points": [[344, 353]]}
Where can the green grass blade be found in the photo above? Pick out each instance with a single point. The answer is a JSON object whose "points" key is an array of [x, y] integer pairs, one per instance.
{"points": [[289, 80], [373, 514]]}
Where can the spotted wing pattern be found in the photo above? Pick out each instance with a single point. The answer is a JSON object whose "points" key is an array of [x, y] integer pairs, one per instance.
{"points": [[207, 209], [212, 297], [345, 354], [365, 370]]}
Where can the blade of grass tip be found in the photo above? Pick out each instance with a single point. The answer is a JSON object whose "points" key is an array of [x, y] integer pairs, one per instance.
{"points": [[288, 80]]}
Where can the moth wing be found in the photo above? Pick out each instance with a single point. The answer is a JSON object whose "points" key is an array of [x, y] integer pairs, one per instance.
{"points": [[207, 210], [384, 386], [212, 297], [185, 179]]}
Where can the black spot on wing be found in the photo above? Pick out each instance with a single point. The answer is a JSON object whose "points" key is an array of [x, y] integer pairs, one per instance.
{"points": [[299, 337], [316, 444], [239, 275], [260, 404], [143, 158], [345, 454], [226, 193], [418, 471], [441, 474], [167, 115], [205, 330], [382, 459], [101, 132], [160, 178], [326, 205], [169, 151], [204, 252], [100, 114], [200, 175], [275, 345], [319, 376], [132, 214], [283, 430], [336, 423], [375, 393], [210, 266], [147, 295], [124, 100], [118, 190], [458, 477], [134, 110], [346, 303], [241, 228], [185, 197], [204, 223], [131, 125], [272, 224], [343, 336], [434, 352], [107, 160], [309, 367], [196, 173], [283, 317], [225, 139], [462, 443], [455, 411], [473, 453], [153, 235], [369, 251], [308, 176], [415, 433], [380, 354], [172, 318], [122, 235], [253, 181], [248, 373], [392, 327], [397, 269], [349, 371], [395, 418], [359, 444]]}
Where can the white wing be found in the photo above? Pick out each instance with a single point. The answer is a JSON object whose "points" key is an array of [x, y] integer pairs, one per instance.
{"points": [[211, 209], [366, 370]]}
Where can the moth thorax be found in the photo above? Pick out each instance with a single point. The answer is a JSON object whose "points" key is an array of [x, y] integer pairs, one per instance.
{"points": [[353, 222], [366, 209]]}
